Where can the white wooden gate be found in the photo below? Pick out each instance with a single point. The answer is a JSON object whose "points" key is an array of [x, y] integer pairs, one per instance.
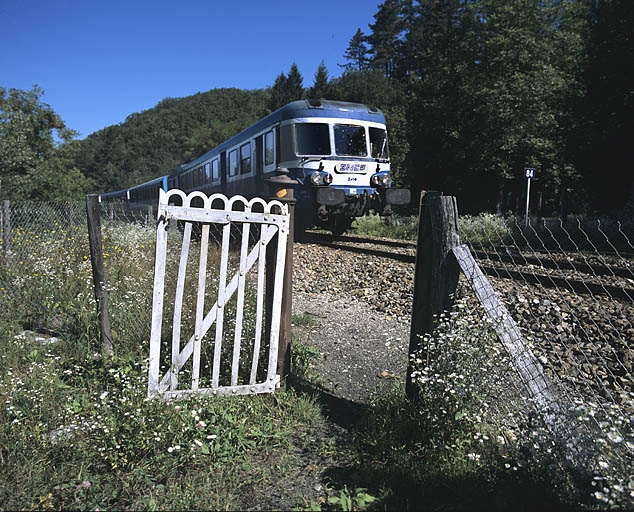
{"points": [[224, 360]]}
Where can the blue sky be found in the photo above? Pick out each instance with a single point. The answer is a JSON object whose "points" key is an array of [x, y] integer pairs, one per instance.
{"points": [[99, 61]]}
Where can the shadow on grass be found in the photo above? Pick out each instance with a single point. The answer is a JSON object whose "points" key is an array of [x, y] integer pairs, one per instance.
{"points": [[405, 481], [423, 489], [340, 411]]}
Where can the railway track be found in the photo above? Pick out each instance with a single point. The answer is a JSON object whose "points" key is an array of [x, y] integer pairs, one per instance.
{"points": [[578, 273], [399, 250]]}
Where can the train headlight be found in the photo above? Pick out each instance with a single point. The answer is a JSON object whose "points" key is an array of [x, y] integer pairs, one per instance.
{"points": [[381, 180], [319, 178]]}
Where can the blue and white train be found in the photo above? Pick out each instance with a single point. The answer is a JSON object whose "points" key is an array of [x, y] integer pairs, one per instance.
{"points": [[336, 151]]}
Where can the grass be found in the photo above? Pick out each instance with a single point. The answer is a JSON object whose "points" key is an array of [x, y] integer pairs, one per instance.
{"points": [[77, 431], [396, 226], [599, 235]]}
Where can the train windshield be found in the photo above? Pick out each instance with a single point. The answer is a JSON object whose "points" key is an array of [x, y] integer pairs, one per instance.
{"points": [[312, 139], [350, 140], [378, 144]]}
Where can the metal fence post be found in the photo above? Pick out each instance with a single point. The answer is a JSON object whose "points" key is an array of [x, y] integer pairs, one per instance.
{"points": [[99, 274], [437, 271]]}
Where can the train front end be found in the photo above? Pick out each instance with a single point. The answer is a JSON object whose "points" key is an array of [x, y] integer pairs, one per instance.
{"points": [[338, 153]]}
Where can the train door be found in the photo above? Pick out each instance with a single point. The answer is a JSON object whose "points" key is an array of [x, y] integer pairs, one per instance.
{"points": [[259, 156], [223, 169]]}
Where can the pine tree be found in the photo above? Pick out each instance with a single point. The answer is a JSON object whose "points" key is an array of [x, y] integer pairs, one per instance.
{"points": [[294, 84], [279, 95], [320, 88], [386, 39], [356, 53]]}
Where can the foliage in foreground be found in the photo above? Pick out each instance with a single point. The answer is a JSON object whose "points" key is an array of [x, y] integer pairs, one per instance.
{"points": [[458, 434], [76, 433]]}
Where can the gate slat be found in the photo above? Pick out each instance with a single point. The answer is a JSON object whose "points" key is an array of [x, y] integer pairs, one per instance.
{"points": [[259, 306], [224, 260], [242, 272], [157, 306], [200, 304], [277, 303], [178, 303]]}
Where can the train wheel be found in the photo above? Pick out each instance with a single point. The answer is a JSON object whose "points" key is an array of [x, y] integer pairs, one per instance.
{"points": [[339, 224]]}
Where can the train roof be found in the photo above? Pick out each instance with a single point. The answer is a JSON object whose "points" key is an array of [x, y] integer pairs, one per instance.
{"points": [[155, 181], [299, 108]]}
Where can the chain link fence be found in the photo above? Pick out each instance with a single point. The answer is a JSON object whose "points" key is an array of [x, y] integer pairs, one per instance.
{"points": [[46, 282], [44, 261], [569, 289]]}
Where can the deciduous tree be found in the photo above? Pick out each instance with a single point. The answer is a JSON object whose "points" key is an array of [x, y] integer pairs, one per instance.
{"points": [[36, 158]]}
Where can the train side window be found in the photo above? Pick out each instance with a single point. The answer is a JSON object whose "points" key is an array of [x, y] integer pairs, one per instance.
{"points": [[245, 158], [215, 170], [233, 163], [223, 167], [312, 139], [199, 176], [285, 143], [269, 148], [207, 173]]}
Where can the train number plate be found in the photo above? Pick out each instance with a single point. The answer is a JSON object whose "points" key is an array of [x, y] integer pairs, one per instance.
{"points": [[353, 167]]}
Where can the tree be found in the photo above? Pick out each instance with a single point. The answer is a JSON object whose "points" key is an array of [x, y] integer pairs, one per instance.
{"points": [[286, 88], [494, 87], [388, 33], [320, 88], [357, 53], [36, 155], [606, 131], [294, 84]]}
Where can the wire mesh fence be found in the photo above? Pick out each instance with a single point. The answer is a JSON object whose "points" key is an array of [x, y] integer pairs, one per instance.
{"points": [[46, 284], [569, 287], [44, 261], [46, 280]]}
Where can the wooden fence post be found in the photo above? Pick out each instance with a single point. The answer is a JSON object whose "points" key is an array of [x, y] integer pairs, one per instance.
{"points": [[99, 274], [6, 227], [281, 189], [437, 271]]}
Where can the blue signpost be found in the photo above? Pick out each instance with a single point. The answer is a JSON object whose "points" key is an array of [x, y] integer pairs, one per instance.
{"points": [[529, 173]]}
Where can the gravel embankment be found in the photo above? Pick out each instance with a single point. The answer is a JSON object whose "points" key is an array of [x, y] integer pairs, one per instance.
{"points": [[361, 306]]}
